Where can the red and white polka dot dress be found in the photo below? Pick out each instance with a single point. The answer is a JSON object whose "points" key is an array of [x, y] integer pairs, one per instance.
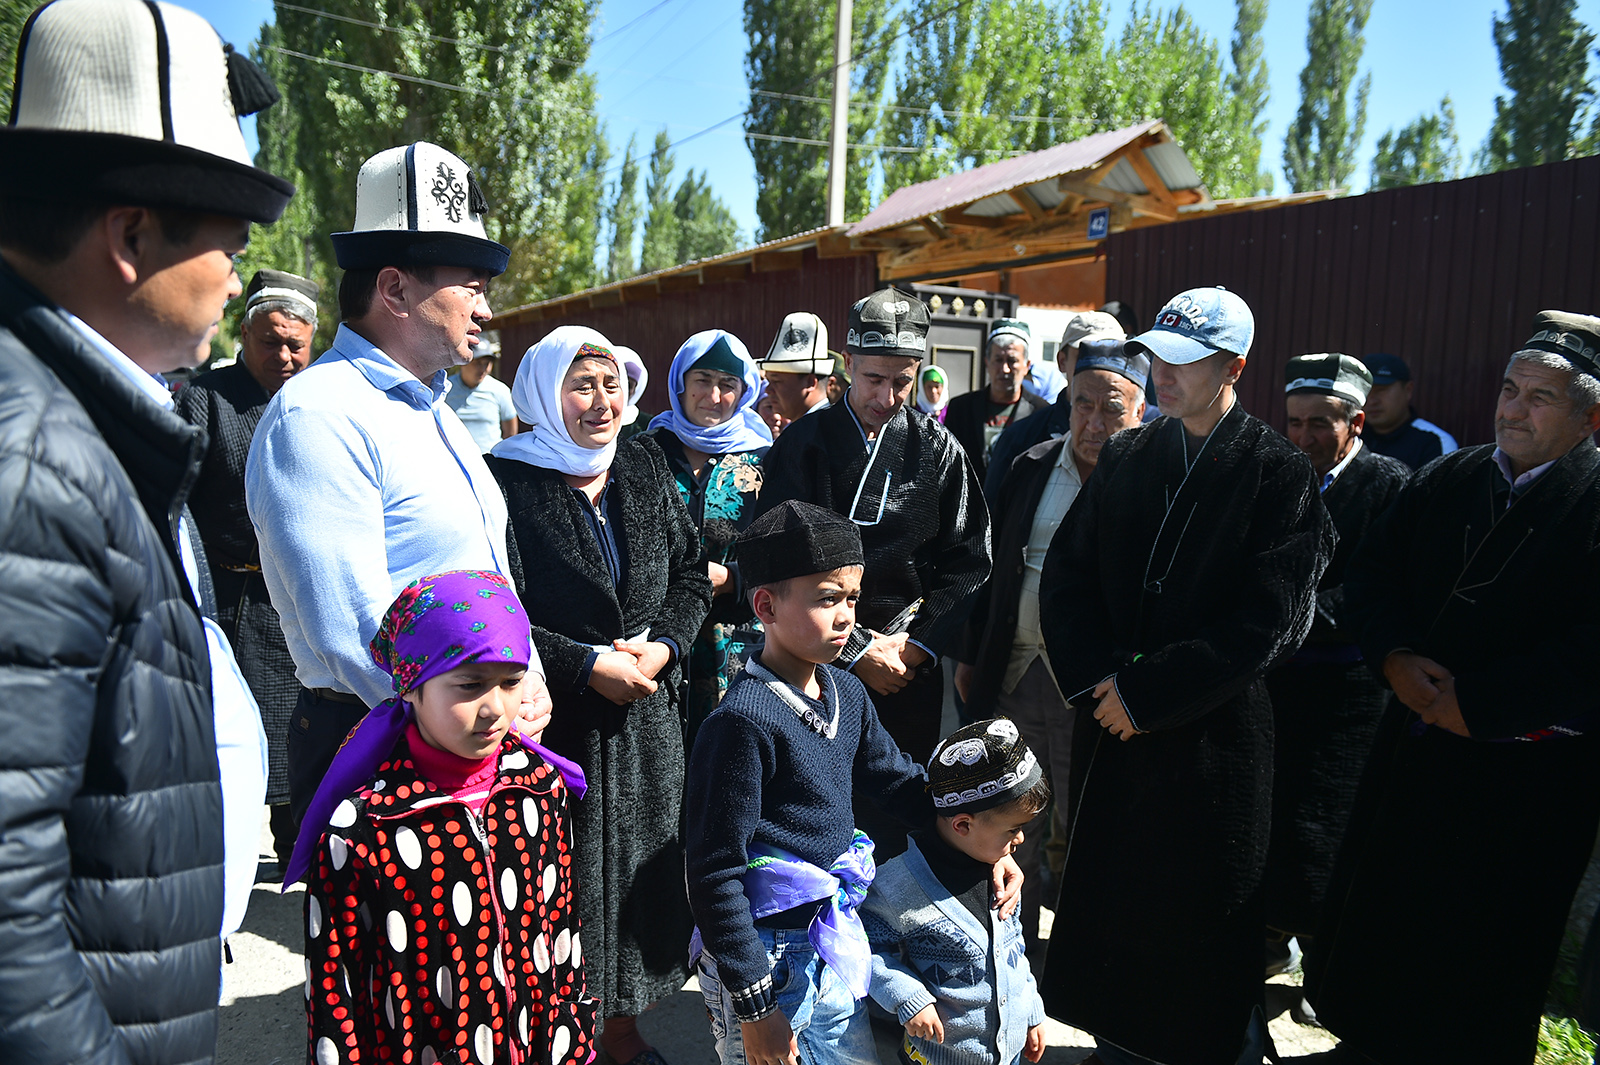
{"points": [[433, 938]]}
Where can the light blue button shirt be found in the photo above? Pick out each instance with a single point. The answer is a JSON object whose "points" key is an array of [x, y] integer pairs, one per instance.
{"points": [[360, 480]]}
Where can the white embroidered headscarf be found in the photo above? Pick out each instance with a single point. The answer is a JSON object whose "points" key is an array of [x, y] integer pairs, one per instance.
{"points": [[536, 393]]}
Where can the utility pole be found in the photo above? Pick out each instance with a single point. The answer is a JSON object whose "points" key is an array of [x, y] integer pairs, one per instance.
{"points": [[841, 115]]}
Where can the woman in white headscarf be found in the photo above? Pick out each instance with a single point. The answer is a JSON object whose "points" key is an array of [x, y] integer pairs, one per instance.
{"points": [[607, 565], [637, 375], [933, 392], [713, 441]]}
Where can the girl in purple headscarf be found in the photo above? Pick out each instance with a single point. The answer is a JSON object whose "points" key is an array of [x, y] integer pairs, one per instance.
{"points": [[440, 923]]}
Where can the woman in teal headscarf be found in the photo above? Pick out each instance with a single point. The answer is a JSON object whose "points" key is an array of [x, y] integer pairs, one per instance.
{"points": [[713, 441]]}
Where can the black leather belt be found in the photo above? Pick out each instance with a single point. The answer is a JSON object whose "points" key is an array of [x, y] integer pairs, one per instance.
{"points": [[334, 696], [798, 917]]}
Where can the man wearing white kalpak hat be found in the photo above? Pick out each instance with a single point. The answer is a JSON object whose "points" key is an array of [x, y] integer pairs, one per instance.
{"points": [[1185, 570], [361, 478], [798, 366], [128, 187]]}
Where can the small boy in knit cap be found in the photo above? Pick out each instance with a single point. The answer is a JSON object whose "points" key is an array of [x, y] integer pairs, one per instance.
{"points": [[946, 966], [776, 865]]}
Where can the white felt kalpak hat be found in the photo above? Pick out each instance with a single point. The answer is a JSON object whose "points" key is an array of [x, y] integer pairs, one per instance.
{"points": [[801, 346], [127, 102], [418, 205]]}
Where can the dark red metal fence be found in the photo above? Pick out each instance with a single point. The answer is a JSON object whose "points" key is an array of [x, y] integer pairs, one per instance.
{"points": [[751, 309], [1447, 276]]}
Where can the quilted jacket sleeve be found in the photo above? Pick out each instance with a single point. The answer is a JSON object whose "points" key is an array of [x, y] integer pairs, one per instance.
{"points": [[57, 615]]}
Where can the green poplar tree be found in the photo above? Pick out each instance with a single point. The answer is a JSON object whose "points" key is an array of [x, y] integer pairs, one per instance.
{"points": [[1544, 60], [1423, 150], [791, 54], [705, 225], [624, 216], [1249, 87], [660, 248], [1319, 150]]}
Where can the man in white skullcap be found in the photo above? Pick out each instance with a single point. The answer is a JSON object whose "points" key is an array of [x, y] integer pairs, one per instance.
{"points": [[401, 489], [798, 365], [127, 189]]}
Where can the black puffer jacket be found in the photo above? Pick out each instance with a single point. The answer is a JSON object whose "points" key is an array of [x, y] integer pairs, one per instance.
{"points": [[110, 805]]}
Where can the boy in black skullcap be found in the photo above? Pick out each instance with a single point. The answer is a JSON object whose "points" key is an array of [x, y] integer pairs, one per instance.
{"points": [[954, 973], [776, 865]]}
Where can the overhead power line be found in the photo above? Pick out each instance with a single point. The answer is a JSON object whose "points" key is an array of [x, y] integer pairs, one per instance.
{"points": [[824, 144], [406, 30], [910, 110]]}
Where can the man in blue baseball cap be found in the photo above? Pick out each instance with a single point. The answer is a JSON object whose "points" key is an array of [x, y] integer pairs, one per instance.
{"points": [[1393, 427], [1185, 570]]}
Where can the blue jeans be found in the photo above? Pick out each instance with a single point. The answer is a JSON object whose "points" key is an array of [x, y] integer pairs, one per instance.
{"points": [[829, 1024]]}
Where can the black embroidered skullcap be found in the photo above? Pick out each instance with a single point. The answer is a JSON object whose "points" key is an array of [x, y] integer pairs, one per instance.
{"points": [[796, 539], [1329, 374], [888, 322], [981, 766], [273, 285], [1575, 337]]}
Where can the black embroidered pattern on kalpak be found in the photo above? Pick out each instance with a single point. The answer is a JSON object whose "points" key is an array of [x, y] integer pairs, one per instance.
{"points": [[448, 193]]}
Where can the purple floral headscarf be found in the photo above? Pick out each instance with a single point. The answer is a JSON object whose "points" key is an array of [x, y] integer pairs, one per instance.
{"points": [[436, 624]]}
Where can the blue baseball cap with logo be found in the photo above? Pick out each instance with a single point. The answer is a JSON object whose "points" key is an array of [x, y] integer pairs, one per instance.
{"points": [[1197, 324]]}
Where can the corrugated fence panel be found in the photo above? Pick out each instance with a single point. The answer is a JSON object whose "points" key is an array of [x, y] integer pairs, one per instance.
{"points": [[1448, 276], [751, 309]]}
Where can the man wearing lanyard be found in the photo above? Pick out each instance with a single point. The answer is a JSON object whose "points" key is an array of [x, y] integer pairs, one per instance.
{"points": [[1325, 702], [1185, 570], [1474, 599], [924, 528], [361, 478]]}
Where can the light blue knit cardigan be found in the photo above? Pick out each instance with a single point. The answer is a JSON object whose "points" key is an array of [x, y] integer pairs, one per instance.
{"points": [[928, 947]]}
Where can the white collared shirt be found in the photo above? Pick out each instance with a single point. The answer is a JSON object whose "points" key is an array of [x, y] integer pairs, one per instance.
{"points": [[1343, 464], [1060, 490], [241, 741]]}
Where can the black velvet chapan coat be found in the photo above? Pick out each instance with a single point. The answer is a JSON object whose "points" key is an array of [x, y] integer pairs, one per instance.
{"points": [[1326, 704], [1462, 851], [628, 846], [1158, 934]]}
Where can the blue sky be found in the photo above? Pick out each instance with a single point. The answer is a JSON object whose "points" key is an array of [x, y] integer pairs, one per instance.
{"points": [[682, 66]]}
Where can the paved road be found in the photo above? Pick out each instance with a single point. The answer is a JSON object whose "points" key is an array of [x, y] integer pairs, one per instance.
{"points": [[263, 1001]]}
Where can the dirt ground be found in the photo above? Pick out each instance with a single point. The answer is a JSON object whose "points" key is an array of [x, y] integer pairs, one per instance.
{"points": [[263, 1000]]}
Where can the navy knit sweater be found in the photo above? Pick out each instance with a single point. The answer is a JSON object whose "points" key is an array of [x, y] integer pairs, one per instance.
{"points": [[758, 772]]}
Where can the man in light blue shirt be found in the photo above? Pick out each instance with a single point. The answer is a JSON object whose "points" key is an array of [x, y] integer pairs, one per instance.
{"points": [[360, 478]]}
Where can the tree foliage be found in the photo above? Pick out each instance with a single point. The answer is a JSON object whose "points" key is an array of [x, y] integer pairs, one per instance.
{"points": [[13, 13], [683, 224], [791, 54], [1319, 151], [624, 216], [1423, 150], [1544, 59], [509, 97], [1020, 75]]}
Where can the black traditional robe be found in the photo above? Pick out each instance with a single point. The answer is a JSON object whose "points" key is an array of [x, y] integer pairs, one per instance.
{"points": [[1326, 705], [1462, 855], [627, 842], [932, 542], [1157, 939], [227, 403]]}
